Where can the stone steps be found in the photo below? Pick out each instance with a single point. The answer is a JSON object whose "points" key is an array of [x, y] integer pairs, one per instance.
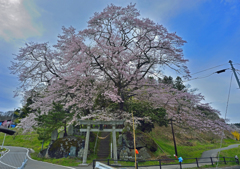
{"points": [[104, 146]]}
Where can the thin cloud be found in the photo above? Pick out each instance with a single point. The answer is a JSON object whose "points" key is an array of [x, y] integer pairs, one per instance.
{"points": [[167, 9], [16, 21]]}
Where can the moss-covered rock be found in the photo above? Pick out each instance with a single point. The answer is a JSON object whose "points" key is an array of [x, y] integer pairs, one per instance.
{"points": [[150, 143], [143, 141], [61, 147]]}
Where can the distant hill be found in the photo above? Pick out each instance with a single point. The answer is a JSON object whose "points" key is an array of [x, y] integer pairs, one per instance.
{"points": [[6, 115]]}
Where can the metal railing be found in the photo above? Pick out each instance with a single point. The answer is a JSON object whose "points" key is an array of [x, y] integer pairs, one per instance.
{"points": [[162, 162]]}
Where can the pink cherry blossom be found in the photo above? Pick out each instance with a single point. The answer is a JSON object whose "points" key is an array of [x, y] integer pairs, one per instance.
{"points": [[115, 54]]}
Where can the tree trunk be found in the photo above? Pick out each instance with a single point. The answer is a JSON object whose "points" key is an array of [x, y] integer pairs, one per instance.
{"points": [[65, 129], [121, 104], [42, 144]]}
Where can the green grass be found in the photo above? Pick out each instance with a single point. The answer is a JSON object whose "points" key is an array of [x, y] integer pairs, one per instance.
{"points": [[194, 151], [69, 161], [29, 140], [3, 149], [231, 152]]}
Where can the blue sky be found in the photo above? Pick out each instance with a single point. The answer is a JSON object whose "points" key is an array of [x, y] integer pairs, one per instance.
{"points": [[211, 29]]}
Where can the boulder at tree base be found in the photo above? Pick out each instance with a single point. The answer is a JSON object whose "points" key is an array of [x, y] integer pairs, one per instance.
{"points": [[143, 143]]}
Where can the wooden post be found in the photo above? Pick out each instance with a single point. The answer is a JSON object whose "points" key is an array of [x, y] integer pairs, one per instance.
{"points": [[134, 143]]}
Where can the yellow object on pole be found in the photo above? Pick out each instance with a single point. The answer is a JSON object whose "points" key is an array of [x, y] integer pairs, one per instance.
{"points": [[134, 143]]}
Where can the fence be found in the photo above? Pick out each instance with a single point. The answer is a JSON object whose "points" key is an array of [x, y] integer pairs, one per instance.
{"points": [[198, 161]]}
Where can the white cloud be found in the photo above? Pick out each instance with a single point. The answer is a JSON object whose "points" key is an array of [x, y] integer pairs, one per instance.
{"points": [[16, 21], [164, 10]]}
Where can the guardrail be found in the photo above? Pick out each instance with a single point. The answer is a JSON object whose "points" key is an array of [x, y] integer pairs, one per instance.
{"points": [[23, 164], [204, 160]]}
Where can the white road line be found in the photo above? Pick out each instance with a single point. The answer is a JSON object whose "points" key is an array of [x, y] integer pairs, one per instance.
{"points": [[44, 161], [40, 161], [47, 162], [5, 163]]}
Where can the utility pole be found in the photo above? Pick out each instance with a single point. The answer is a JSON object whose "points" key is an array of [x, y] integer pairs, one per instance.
{"points": [[174, 138], [233, 69], [12, 118]]}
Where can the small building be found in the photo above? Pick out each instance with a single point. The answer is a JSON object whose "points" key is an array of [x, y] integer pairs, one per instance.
{"points": [[6, 121]]}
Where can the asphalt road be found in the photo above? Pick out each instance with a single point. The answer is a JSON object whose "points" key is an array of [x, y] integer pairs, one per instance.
{"points": [[16, 155], [14, 158]]}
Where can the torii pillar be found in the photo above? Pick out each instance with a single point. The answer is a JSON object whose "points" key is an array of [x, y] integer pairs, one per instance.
{"points": [[86, 146], [88, 130], [114, 143]]}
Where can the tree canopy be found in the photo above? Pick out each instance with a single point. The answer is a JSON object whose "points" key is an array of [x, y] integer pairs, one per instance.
{"points": [[113, 58]]}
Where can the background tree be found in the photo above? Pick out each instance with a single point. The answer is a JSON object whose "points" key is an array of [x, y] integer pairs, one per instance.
{"points": [[55, 119], [157, 115], [178, 83]]}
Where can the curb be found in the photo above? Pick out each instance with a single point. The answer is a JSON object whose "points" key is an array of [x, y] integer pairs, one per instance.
{"points": [[3, 152]]}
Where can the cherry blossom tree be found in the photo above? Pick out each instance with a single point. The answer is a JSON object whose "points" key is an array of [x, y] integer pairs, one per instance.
{"points": [[113, 57]]}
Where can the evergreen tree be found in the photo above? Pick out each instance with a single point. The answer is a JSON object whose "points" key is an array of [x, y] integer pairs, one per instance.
{"points": [[178, 84], [166, 80], [143, 109], [55, 119]]}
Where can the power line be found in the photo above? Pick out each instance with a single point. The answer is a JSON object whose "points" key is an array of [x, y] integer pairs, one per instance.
{"points": [[199, 77], [220, 71], [208, 69]]}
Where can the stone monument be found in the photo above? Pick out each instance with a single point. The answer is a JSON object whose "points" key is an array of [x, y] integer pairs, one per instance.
{"points": [[54, 135], [72, 151], [70, 130], [61, 134]]}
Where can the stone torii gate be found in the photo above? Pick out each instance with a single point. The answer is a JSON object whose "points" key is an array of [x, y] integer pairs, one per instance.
{"points": [[88, 130]]}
